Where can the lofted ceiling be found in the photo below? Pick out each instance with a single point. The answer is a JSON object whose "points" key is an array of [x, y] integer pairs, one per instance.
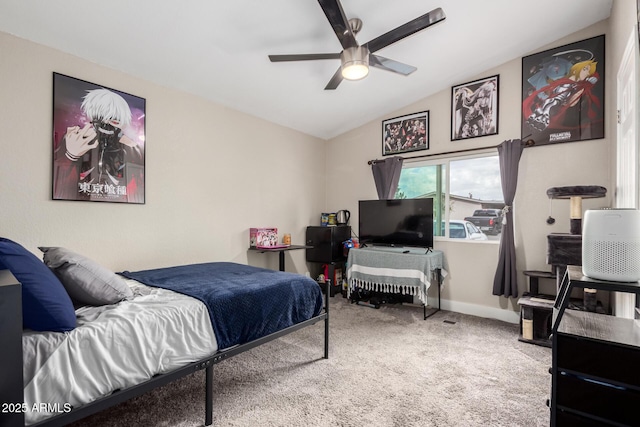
{"points": [[219, 50]]}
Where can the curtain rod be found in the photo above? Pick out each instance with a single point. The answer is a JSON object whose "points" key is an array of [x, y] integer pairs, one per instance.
{"points": [[526, 143]]}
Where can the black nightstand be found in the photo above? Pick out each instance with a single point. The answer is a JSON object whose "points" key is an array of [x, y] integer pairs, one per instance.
{"points": [[595, 359]]}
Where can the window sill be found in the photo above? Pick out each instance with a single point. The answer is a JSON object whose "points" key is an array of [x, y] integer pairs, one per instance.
{"points": [[483, 242]]}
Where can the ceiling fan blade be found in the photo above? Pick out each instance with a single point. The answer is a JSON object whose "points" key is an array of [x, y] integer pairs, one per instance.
{"points": [[304, 57], [411, 27], [390, 65], [335, 80], [333, 10]]}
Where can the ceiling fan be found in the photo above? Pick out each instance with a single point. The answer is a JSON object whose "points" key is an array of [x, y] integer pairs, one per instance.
{"points": [[356, 59]]}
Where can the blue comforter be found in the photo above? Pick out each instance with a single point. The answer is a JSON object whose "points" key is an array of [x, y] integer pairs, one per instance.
{"points": [[244, 302]]}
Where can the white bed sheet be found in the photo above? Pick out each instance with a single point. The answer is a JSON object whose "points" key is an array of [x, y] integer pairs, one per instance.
{"points": [[113, 347]]}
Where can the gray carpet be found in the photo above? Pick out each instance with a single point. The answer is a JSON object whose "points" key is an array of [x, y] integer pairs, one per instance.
{"points": [[387, 367]]}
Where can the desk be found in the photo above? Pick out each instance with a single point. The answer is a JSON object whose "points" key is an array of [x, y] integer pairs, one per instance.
{"points": [[390, 271], [281, 252]]}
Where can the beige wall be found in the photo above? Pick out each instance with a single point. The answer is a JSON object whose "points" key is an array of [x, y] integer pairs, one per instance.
{"points": [[207, 182], [472, 264], [211, 174]]}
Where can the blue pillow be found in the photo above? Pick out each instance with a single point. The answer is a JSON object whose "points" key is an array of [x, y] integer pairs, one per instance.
{"points": [[46, 306]]}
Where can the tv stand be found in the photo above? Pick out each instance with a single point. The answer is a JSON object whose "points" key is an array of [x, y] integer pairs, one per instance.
{"points": [[389, 270]]}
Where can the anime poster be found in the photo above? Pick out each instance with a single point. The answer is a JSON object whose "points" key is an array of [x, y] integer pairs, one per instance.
{"points": [[474, 108], [405, 134], [98, 143], [563, 93]]}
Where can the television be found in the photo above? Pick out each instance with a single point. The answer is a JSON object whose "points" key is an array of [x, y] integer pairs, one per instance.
{"points": [[397, 222]]}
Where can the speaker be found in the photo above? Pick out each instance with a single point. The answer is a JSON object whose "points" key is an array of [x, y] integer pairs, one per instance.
{"points": [[611, 245], [327, 243]]}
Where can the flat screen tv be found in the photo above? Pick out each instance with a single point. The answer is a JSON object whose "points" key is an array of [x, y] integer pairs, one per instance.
{"points": [[398, 222]]}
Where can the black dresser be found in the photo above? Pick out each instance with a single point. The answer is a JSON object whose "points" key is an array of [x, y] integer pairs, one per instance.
{"points": [[595, 360]]}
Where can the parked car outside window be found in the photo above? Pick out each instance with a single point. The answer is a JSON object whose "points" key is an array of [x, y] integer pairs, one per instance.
{"points": [[459, 229]]}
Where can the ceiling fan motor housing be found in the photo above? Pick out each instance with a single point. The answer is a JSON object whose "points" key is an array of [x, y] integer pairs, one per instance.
{"points": [[355, 62]]}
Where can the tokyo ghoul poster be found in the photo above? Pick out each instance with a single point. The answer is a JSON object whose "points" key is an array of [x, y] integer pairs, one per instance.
{"points": [[98, 143], [563, 93]]}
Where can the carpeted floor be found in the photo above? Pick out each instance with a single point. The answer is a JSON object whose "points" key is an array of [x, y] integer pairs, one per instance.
{"points": [[387, 367]]}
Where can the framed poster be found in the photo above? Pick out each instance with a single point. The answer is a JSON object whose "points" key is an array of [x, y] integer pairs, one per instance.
{"points": [[405, 133], [474, 108], [563, 93], [98, 143]]}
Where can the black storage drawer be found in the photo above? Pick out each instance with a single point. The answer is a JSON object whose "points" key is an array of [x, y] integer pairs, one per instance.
{"points": [[568, 419], [600, 359], [598, 399]]}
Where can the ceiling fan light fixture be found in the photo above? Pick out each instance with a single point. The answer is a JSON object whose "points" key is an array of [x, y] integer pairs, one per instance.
{"points": [[355, 62]]}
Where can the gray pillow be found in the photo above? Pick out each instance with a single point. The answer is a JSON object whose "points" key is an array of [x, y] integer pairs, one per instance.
{"points": [[86, 281]]}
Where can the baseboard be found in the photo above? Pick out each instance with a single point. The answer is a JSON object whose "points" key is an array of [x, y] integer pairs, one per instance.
{"points": [[477, 310]]}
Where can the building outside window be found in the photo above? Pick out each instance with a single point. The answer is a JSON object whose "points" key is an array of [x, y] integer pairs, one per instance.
{"points": [[459, 186]]}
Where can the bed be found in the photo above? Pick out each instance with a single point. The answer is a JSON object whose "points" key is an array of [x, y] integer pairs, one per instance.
{"points": [[167, 323]]}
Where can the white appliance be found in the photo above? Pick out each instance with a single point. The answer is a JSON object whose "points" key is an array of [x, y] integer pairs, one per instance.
{"points": [[611, 244]]}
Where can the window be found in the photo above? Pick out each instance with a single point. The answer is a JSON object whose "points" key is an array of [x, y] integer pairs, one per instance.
{"points": [[459, 187]]}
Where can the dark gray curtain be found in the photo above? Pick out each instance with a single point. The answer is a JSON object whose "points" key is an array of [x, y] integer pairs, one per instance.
{"points": [[386, 174], [505, 281]]}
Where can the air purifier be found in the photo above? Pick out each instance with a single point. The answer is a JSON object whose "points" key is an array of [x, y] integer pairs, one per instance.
{"points": [[611, 244]]}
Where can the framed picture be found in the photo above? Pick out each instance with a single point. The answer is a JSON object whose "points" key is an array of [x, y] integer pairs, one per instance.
{"points": [[405, 133], [98, 143], [474, 108], [563, 93]]}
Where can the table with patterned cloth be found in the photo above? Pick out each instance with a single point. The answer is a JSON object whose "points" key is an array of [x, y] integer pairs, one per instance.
{"points": [[395, 271]]}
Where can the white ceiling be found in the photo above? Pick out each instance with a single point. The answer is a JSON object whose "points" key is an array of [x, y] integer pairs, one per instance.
{"points": [[218, 49]]}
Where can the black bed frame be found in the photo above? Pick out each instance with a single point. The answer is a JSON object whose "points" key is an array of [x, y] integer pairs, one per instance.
{"points": [[11, 381]]}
